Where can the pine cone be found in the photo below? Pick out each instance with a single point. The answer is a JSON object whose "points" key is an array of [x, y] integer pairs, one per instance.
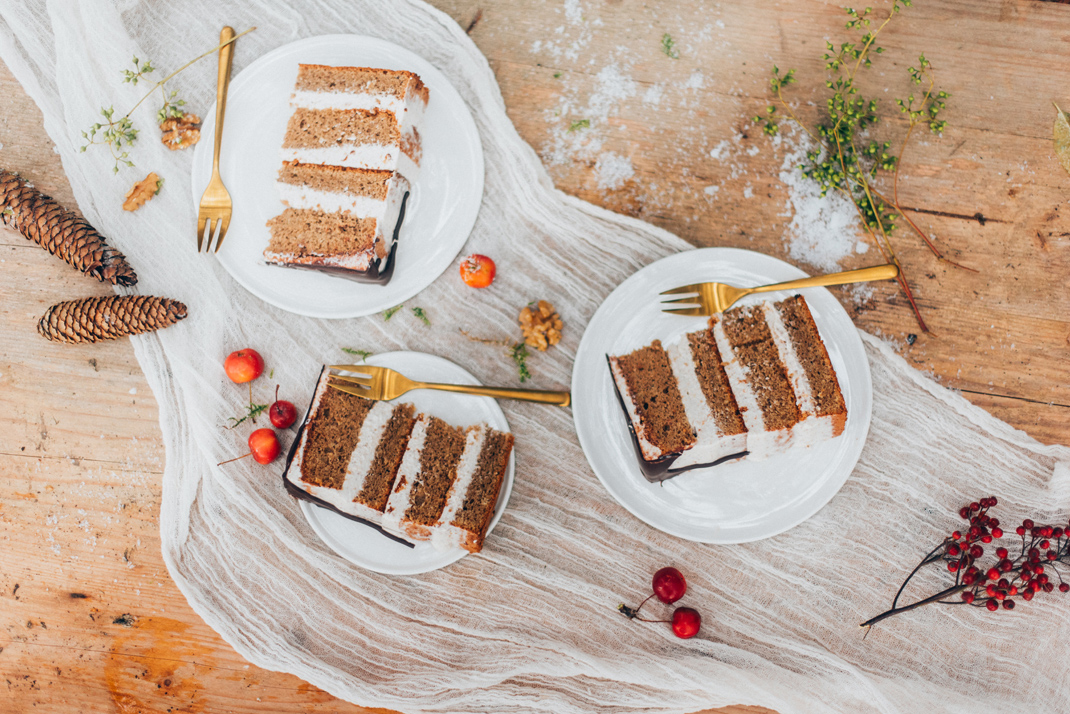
{"points": [[60, 232], [106, 318]]}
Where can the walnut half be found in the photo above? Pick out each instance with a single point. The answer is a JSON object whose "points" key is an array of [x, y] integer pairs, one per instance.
{"points": [[541, 326]]}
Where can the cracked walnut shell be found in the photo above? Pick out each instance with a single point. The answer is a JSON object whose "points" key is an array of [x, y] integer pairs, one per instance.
{"points": [[182, 132], [541, 326]]}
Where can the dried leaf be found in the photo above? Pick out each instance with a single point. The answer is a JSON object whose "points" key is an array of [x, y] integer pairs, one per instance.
{"points": [[1061, 136], [181, 132], [142, 191]]}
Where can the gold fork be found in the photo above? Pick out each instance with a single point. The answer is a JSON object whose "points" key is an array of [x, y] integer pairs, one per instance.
{"points": [[216, 206], [384, 384], [718, 297]]}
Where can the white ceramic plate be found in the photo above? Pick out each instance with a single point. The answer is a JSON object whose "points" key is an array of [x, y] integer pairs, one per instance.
{"points": [[367, 547], [733, 502], [440, 213]]}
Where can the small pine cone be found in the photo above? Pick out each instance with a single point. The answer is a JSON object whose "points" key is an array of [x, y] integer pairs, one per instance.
{"points": [[106, 318], [60, 232]]}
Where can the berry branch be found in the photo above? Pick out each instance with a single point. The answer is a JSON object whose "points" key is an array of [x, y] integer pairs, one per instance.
{"points": [[841, 162], [1042, 551]]}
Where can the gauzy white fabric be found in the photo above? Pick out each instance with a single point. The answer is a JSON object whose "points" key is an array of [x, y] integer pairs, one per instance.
{"points": [[530, 624]]}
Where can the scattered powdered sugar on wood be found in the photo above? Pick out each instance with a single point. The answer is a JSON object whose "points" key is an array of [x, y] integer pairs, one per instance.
{"points": [[613, 170], [824, 230]]}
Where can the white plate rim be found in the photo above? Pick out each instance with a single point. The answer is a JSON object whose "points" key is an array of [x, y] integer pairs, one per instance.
{"points": [[464, 219], [314, 513], [586, 353]]}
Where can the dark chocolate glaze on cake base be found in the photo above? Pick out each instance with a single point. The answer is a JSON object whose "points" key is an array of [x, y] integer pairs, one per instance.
{"points": [[300, 494], [379, 272], [659, 469]]}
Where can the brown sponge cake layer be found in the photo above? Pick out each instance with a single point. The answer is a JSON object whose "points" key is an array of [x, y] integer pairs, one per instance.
{"points": [[306, 232], [438, 468], [824, 385], [476, 513], [331, 437], [384, 467], [373, 183], [318, 128], [752, 342], [357, 80], [714, 382], [653, 391]]}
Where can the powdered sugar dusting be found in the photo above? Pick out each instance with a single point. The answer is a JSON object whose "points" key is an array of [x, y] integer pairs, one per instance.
{"points": [[613, 170], [824, 230]]}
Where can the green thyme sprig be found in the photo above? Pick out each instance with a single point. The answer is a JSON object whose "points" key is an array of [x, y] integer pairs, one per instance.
{"points": [[519, 353], [668, 46], [579, 124], [843, 160], [421, 316], [117, 134], [251, 413], [363, 354]]}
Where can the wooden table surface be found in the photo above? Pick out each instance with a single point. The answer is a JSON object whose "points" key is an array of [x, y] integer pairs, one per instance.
{"points": [[91, 620]]}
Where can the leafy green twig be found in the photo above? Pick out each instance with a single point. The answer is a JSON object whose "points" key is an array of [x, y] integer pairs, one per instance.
{"points": [[120, 133], [421, 316], [668, 46], [519, 353], [579, 124], [363, 354], [390, 312], [251, 413], [841, 161]]}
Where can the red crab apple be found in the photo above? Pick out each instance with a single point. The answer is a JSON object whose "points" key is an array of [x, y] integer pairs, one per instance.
{"points": [[686, 622], [264, 446], [243, 366]]}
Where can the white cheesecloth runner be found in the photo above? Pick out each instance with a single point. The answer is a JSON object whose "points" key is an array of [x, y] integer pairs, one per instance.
{"points": [[530, 624]]}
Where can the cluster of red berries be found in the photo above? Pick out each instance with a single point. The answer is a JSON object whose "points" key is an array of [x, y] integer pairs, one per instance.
{"points": [[243, 367], [669, 586], [1023, 575]]}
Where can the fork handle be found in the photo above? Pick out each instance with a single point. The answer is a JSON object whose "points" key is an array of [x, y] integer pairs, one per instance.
{"points": [[226, 57], [862, 275], [560, 399]]}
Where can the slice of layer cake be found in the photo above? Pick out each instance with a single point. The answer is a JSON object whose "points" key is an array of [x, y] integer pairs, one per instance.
{"points": [[772, 385], [348, 452], [680, 407], [757, 380], [350, 154], [412, 476]]}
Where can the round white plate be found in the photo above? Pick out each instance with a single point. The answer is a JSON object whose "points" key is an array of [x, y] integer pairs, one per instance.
{"points": [[734, 502], [440, 213], [366, 546]]}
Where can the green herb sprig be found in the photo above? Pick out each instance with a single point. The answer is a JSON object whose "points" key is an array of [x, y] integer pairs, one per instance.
{"points": [[668, 46], [846, 163], [251, 413], [117, 134], [390, 312], [421, 316], [363, 354], [519, 353], [579, 124]]}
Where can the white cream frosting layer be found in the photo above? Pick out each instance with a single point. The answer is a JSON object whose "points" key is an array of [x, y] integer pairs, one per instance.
{"points": [[811, 429], [710, 442], [398, 503], [371, 432], [358, 156], [445, 535]]}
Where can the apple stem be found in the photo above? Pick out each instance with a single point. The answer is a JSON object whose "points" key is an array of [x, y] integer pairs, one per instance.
{"points": [[237, 458]]}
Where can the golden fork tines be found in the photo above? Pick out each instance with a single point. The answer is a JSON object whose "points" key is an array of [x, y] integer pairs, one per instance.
{"points": [[712, 298], [384, 384], [216, 207]]}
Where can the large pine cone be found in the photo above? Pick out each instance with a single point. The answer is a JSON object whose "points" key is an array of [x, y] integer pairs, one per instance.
{"points": [[60, 232], [106, 318]]}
